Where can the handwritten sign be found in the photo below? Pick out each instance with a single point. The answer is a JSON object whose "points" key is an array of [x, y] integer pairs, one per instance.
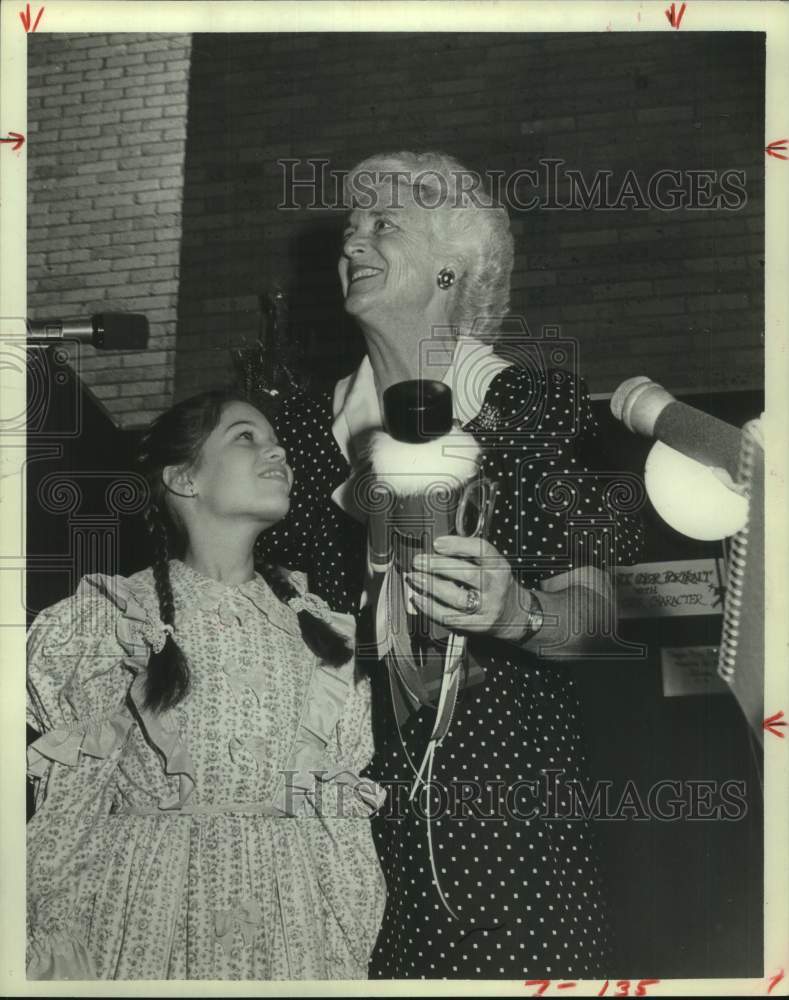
{"points": [[27, 19], [16, 138], [668, 589], [770, 725], [622, 987], [675, 16], [691, 670]]}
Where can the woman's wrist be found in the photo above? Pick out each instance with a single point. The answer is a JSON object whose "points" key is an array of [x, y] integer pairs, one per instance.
{"points": [[534, 618], [516, 628]]}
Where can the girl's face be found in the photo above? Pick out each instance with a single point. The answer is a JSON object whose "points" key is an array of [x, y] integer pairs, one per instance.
{"points": [[241, 471]]}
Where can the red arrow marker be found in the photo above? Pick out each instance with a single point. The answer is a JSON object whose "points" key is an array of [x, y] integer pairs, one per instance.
{"points": [[770, 723], [776, 148], [16, 138], [26, 18], [775, 980], [674, 16]]}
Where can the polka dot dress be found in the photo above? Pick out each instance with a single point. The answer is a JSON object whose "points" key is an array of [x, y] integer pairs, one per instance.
{"points": [[519, 892], [524, 888], [317, 537]]}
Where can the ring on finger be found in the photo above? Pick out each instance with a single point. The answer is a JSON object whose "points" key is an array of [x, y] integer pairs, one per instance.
{"points": [[473, 601]]}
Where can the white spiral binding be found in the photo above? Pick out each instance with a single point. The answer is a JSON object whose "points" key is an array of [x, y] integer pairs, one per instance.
{"points": [[738, 554]]}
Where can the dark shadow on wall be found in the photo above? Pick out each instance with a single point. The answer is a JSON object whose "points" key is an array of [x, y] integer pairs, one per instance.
{"points": [[330, 342], [238, 247]]}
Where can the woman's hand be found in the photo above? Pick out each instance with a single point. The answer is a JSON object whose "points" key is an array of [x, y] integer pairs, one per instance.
{"points": [[442, 583]]}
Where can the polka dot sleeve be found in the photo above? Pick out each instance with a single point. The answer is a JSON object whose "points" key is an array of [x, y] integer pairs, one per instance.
{"points": [[557, 508], [316, 537], [303, 427]]}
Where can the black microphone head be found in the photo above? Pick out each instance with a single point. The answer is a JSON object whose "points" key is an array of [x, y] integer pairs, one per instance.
{"points": [[120, 332], [418, 411]]}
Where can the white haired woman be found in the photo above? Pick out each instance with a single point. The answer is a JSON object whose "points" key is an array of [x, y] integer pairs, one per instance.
{"points": [[491, 883]]}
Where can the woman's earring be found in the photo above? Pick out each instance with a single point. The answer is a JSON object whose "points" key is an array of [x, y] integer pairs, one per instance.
{"points": [[446, 278]]}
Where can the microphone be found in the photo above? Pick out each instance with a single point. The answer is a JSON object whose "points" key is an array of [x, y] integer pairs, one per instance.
{"points": [[105, 331], [424, 462], [427, 475], [645, 407], [692, 498]]}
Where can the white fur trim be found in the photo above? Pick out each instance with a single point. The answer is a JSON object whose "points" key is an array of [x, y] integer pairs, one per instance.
{"points": [[410, 469], [355, 405]]}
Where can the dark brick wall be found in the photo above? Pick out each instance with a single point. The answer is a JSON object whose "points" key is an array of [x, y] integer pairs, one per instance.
{"points": [[106, 138], [677, 295]]}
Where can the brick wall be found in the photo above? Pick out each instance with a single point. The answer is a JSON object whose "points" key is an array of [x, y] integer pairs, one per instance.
{"points": [[106, 139], [128, 212], [676, 295]]}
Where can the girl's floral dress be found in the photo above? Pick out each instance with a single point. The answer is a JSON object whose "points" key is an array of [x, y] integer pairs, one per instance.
{"points": [[227, 838]]}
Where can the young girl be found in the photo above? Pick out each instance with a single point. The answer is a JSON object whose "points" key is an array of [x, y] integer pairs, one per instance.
{"points": [[199, 813]]}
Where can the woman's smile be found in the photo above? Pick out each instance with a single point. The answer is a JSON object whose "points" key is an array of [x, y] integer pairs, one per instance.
{"points": [[360, 272]]}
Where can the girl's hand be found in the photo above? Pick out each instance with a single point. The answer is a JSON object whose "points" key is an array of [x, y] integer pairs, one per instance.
{"points": [[442, 583]]}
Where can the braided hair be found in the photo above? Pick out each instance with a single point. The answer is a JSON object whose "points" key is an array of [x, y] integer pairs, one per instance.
{"points": [[176, 438], [321, 638]]}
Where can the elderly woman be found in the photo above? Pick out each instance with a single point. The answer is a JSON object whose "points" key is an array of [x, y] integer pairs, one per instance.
{"points": [[491, 877]]}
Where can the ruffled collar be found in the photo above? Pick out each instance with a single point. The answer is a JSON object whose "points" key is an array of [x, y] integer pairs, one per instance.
{"points": [[232, 602]]}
